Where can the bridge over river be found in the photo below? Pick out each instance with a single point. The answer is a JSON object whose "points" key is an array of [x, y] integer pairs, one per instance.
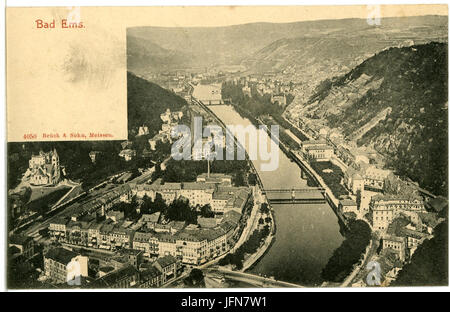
{"points": [[308, 195]]}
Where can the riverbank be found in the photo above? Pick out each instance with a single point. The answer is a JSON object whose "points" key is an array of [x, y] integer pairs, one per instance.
{"points": [[304, 165], [249, 262], [291, 255]]}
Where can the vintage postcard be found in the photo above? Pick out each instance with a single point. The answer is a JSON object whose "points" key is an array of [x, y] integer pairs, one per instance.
{"points": [[227, 147]]}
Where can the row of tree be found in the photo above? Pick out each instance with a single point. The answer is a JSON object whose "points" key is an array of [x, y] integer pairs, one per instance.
{"points": [[248, 247], [349, 253], [177, 210]]}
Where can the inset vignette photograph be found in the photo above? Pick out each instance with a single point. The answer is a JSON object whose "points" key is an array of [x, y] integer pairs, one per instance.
{"points": [[227, 147]]}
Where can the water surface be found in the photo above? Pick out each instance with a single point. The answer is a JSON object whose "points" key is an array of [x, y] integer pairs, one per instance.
{"points": [[307, 234]]}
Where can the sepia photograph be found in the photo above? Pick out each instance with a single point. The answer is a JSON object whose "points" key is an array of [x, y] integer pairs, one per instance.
{"points": [[265, 147]]}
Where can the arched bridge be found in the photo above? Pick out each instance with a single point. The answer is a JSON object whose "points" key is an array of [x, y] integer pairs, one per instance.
{"points": [[295, 195]]}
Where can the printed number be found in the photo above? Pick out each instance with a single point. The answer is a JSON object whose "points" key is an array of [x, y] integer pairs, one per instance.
{"points": [[373, 278], [29, 136]]}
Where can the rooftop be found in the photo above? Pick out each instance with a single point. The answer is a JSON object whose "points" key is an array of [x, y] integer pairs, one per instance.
{"points": [[438, 203], [206, 222], [392, 197], [154, 217], [112, 278], [197, 186], [393, 238], [166, 261], [61, 255], [149, 271]]}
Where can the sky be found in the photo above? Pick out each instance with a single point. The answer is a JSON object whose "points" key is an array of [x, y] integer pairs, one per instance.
{"points": [[233, 15]]}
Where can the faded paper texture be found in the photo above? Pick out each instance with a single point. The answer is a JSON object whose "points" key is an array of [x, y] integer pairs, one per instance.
{"points": [[65, 81], [73, 81]]}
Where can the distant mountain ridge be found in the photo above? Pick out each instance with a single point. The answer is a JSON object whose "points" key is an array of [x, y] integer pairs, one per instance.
{"points": [[408, 87], [145, 54], [248, 43]]}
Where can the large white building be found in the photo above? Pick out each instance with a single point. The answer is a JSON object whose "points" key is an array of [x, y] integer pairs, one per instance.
{"points": [[369, 177], [61, 265], [385, 208], [44, 169], [317, 150], [191, 245]]}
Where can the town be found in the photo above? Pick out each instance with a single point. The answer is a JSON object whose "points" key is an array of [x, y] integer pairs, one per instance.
{"points": [[144, 248], [345, 183]]}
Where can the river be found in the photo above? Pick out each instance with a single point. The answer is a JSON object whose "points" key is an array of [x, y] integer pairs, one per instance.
{"points": [[306, 234]]}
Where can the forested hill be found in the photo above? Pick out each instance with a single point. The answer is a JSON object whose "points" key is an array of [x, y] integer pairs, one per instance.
{"points": [[409, 84], [146, 101]]}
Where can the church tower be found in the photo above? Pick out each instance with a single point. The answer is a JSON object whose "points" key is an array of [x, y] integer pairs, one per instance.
{"points": [[55, 165], [55, 159]]}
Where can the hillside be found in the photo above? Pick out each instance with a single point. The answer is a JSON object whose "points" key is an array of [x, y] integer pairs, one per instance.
{"points": [[264, 47], [395, 102], [342, 43], [146, 102], [143, 55]]}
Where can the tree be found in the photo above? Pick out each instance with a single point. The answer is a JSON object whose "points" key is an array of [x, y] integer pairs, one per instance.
{"points": [[358, 199], [226, 260], [252, 179], [159, 204], [239, 179], [196, 278], [146, 206], [179, 210], [261, 221], [157, 173], [265, 231], [264, 208], [345, 256], [206, 212]]}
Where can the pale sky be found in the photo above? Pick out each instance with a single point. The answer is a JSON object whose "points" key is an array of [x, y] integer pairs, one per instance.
{"points": [[233, 15]]}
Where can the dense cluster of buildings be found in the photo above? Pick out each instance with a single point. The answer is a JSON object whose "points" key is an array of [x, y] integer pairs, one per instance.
{"points": [[95, 225], [406, 232], [215, 190], [147, 252], [371, 186], [192, 244], [402, 218], [396, 211], [127, 269], [266, 85]]}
